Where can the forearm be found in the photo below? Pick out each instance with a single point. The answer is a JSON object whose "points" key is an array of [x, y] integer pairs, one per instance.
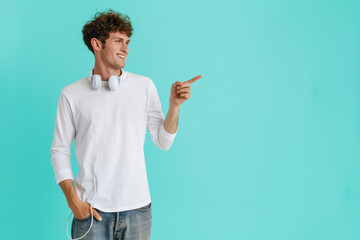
{"points": [[68, 188], [172, 119]]}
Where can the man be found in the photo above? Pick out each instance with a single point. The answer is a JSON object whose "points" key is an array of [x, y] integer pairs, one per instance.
{"points": [[107, 113]]}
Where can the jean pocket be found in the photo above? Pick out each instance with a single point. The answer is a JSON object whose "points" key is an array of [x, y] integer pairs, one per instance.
{"points": [[83, 219], [145, 208]]}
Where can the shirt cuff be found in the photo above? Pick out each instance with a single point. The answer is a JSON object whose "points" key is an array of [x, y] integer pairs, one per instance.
{"points": [[64, 177], [165, 134]]}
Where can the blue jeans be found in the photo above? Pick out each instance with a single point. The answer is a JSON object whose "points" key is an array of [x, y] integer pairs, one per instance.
{"points": [[127, 225]]}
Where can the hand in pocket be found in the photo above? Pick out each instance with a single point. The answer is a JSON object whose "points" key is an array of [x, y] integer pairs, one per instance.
{"points": [[82, 210]]}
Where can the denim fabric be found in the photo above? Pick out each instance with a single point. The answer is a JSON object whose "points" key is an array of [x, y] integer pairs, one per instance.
{"points": [[127, 225]]}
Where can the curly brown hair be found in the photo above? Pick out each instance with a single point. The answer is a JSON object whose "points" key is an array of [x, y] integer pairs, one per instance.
{"points": [[102, 24]]}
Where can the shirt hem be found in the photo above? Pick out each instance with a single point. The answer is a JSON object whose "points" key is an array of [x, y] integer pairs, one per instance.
{"points": [[121, 209]]}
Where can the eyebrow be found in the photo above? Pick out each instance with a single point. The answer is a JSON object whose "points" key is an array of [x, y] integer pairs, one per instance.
{"points": [[121, 39]]}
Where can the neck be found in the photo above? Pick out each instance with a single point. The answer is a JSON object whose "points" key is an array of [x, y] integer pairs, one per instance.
{"points": [[105, 73]]}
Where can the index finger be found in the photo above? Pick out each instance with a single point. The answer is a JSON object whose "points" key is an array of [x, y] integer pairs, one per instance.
{"points": [[194, 79]]}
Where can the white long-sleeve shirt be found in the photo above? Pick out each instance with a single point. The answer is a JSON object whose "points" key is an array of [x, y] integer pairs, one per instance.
{"points": [[109, 129]]}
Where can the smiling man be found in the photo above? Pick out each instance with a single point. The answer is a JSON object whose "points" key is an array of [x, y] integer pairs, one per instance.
{"points": [[108, 113]]}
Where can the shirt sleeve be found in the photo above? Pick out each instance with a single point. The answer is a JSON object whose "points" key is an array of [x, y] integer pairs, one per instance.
{"points": [[155, 120], [63, 136]]}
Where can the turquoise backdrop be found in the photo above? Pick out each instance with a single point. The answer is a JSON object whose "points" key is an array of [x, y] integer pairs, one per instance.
{"points": [[268, 146]]}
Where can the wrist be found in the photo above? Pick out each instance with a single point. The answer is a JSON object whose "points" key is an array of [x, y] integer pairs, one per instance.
{"points": [[73, 200], [174, 106]]}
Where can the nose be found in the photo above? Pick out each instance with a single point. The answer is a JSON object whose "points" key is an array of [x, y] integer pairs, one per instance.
{"points": [[124, 47]]}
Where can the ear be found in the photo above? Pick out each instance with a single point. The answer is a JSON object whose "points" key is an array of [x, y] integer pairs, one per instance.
{"points": [[96, 44]]}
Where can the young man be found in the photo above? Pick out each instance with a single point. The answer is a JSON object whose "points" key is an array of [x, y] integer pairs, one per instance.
{"points": [[107, 113]]}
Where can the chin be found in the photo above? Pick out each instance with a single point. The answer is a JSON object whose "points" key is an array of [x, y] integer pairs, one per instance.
{"points": [[119, 66]]}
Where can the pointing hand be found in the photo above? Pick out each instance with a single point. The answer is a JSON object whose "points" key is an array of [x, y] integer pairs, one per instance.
{"points": [[180, 91]]}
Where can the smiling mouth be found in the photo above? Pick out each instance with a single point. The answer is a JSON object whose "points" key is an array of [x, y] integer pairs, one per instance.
{"points": [[121, 56]]}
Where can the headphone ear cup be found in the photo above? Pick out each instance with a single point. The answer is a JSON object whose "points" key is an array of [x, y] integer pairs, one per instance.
{"points": [[114, 82], [96, 81]]}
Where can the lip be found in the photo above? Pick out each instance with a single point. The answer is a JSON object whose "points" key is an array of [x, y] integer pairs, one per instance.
{"points": [[122, 55]]}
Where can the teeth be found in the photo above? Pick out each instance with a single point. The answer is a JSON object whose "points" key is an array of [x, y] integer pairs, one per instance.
{"points": [[121, 56]]}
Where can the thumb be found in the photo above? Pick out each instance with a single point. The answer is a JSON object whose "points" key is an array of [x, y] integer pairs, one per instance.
{"points": [[96, 215]]}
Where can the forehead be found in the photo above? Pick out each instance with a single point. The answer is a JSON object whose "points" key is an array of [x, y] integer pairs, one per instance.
{"points": [[118, 35]]}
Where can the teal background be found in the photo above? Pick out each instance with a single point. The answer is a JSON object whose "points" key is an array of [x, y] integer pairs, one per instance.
{"points": [[267, 146]]}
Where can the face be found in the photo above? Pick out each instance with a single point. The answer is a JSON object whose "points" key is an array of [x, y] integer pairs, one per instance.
{"points": [[116, 50]]}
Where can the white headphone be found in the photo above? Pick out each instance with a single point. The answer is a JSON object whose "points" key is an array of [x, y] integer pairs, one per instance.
{"points": [[114, 80]]}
